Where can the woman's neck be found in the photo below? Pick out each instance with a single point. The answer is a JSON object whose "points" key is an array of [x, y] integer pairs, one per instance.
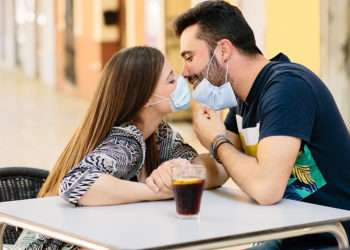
{"points": [[148, 122]]}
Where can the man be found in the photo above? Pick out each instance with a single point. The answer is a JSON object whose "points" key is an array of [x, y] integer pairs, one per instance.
{"points": [[283, 136]]}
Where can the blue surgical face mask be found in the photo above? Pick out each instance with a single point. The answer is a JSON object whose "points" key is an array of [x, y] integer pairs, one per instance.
{"points": [[215, 97], [180, 98]]}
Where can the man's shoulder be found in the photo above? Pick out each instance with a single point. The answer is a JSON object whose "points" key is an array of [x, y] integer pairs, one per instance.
{"points": [[285, 82]]}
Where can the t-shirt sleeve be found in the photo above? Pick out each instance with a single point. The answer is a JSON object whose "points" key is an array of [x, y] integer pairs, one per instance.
{"points": [[230, 120], [288, 108]]}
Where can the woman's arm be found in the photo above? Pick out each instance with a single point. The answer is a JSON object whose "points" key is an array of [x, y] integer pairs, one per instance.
{"points": [[108, 190], [104, 173]]}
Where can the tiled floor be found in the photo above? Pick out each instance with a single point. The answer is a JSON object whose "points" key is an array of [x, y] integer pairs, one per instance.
{"points": [[36, 121]]}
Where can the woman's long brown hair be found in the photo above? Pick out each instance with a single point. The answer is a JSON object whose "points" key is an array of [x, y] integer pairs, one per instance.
{"points": [[127, 82]]}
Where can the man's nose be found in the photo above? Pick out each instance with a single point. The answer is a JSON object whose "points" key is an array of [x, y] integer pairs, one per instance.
{"points": [[185, 72]]}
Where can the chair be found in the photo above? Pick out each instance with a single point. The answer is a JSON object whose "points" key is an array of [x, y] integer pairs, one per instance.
{"points": [[19, 183]]}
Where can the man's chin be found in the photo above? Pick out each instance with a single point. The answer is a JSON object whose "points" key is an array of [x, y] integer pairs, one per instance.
{"points": [[195, 83]]}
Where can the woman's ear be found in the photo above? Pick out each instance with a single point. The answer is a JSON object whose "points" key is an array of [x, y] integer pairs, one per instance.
{"points": [[148, 104]]}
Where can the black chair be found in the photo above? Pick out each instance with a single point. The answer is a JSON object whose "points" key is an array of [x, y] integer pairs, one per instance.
{"points": [[19, 183]]}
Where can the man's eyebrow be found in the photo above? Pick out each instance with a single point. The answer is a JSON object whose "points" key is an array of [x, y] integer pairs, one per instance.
{"points": [[170, 73], [186, 52]]}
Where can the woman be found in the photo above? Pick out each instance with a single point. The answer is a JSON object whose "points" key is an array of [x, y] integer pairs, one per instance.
{"points": [[123, 150]]}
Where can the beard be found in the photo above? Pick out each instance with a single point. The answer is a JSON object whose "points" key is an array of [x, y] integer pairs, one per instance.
{"points": [[214, 72]]}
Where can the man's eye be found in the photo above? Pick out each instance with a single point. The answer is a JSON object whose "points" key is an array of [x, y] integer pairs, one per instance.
{"points": [[188, 59]]}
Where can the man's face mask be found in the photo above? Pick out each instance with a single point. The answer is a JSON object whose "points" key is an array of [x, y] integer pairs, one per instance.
{"points": [[215, 97], [180, 98]]}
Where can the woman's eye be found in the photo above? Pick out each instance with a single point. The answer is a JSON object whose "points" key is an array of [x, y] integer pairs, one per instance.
{"points": [[172, 81], [188, 59]]}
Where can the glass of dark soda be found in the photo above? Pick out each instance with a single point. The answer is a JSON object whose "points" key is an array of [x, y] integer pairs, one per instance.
{"points": [[188, 183]]}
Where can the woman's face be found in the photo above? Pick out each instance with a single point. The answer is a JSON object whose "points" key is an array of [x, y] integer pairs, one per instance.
{"points": [[160, 99]]}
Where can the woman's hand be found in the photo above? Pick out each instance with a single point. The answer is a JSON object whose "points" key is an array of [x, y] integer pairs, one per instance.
{"points": [[160, 179]]}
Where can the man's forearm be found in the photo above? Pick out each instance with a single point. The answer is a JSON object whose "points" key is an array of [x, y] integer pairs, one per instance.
{"points": [[216, 174], [246, 172]]}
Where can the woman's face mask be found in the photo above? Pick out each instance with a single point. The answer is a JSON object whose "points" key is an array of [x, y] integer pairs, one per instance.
{"points": [[215, 97], [180, 98]]}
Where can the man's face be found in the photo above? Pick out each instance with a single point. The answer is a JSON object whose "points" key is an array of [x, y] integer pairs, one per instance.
{"points": [[196, 54]]}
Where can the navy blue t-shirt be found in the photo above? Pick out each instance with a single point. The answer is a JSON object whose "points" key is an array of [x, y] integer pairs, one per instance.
{"points": [[288, 99]]}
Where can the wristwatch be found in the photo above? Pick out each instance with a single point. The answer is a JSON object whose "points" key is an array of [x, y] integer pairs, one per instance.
{"points": [[216, 143]]}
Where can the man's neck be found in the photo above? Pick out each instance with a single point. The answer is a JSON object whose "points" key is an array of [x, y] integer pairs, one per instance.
{"points": [[246, 73]]}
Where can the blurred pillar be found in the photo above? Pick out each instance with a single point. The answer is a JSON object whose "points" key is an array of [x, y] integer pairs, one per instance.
{"points": [[26, 38], [8, 33], [134, 22], [155, 32], [335, 51], [46, 41]]}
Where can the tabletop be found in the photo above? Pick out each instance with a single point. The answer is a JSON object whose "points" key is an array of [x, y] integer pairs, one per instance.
{"points": [[224, 213]]}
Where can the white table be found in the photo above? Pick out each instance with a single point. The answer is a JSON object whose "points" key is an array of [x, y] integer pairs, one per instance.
{"points": [[227, 218]]}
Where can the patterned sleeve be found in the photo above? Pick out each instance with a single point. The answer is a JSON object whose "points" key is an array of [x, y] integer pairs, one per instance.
{"points": [[172, 144], [33, 241], [121, 155]]}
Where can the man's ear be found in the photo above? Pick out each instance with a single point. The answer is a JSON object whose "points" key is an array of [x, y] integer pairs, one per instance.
{"points": [[225, 50]]}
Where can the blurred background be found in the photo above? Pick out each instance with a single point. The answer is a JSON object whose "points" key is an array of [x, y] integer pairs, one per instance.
{"points": [[52, 53]]}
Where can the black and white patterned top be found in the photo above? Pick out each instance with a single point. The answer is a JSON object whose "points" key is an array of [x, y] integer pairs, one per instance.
{"points": [[121, 154]]}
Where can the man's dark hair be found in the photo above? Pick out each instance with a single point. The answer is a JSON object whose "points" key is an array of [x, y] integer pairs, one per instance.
{"points": [[218, 20]]}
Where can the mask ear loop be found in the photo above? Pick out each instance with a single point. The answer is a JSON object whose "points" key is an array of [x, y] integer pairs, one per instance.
{"points": [[226, 72], [210, 61], [162, 99]]}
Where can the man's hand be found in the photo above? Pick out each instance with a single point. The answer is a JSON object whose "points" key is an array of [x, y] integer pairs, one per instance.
{"points": [[160, 179], [207, 124]]}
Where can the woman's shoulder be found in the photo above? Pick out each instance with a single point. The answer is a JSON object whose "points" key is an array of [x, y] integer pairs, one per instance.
{"points": [[126, 129], [124, 135], [164, 130]]}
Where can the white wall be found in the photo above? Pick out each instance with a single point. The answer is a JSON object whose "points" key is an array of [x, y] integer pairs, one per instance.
{"points": [[255, 14], [26, 37]]}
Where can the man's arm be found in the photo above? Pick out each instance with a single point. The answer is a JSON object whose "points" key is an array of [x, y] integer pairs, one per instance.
{"points": [[263, 178], [216, 173], [234, 138], [287, 114]]}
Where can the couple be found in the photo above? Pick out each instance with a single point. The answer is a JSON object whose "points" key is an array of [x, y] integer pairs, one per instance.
{"points": [[123, 151], [282, 138]]}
